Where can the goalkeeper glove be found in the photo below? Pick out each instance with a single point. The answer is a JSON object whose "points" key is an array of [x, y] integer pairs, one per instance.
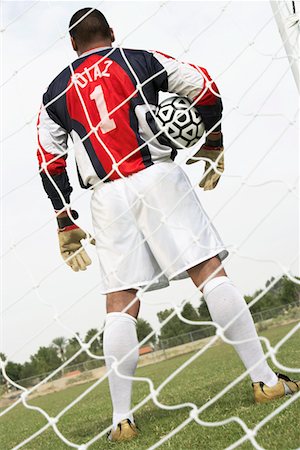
{"points": [[69, 236], [213, 151]]}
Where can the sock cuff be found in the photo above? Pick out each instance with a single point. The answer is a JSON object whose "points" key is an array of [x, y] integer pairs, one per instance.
{"points": [[213, 283], [119, 315]]}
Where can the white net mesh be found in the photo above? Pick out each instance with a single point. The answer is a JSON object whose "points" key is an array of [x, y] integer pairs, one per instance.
{"points": [[255, 207]]}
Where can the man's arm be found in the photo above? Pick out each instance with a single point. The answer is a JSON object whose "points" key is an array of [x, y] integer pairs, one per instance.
{"points": [[52, 154], [195, 83]]}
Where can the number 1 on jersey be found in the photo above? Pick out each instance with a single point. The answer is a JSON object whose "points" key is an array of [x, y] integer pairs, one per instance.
{"points": [[107, 124]]}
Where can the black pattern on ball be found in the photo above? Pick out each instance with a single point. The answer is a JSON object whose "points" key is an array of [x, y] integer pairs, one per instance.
{"points": [[181, 122]]}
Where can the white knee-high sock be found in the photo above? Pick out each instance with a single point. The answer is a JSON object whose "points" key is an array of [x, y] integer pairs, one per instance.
{"points": [[224, 302], [119, 339]]}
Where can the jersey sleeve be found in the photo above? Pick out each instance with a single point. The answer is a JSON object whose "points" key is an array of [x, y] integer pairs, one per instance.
{"points": [[193, 82], [51, 153]]}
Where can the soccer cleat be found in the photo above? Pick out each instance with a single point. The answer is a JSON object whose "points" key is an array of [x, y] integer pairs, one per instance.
{"points": [[125, 431], [285, 386]]}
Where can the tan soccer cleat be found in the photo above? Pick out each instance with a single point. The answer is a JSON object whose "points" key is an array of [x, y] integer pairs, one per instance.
{"points": [[125, 431], [285, 386]]}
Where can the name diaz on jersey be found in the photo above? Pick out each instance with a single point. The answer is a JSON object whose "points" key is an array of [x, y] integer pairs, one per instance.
{"points": [[92, 73]]}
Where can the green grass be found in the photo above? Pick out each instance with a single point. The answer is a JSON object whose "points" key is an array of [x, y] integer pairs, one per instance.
{"points": [[198, 383]]}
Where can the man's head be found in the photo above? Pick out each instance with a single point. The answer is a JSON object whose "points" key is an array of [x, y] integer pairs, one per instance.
{"points": [[91, 31]]}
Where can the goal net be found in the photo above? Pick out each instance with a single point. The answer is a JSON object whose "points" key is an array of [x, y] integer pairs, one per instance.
{"points": [[251, 51]]}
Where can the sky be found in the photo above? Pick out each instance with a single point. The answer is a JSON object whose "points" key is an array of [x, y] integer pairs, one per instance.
{"points": [[254, 207]]}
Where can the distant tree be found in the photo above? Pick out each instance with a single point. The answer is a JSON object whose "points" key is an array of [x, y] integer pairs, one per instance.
{"points": [[3, 358], [72, 347], [45, 360], [290, 291], [269, 281], [28, 370], [176, 326], [189, 312], [59, 344], [283, 292], [12, 370], [15, 371], [144, 328], [96, 346], [203, 311], [171, 328]]}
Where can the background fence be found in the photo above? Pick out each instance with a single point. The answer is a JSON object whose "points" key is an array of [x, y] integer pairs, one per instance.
{"points": [[290, 310], [271, 313]]}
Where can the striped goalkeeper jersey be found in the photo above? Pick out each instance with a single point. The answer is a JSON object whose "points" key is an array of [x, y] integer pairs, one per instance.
{"points": [[105, 102]]}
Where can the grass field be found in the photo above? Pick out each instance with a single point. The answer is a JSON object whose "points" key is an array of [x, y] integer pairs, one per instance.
{"points": [[203, 379]]}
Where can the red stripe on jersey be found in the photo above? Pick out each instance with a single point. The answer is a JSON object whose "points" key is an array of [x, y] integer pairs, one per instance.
{"points": [[104, 85], [53, 167], [164, 54], [209, 98]]}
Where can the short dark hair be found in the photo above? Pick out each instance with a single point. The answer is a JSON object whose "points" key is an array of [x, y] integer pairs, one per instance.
{"points": [[93, 26]]}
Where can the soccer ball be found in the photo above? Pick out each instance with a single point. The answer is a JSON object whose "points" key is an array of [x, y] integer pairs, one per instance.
{"points": [[180, 121]]}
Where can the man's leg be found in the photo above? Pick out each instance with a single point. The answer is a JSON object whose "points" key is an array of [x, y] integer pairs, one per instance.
{"points": [[225, 302], [119, 339]]}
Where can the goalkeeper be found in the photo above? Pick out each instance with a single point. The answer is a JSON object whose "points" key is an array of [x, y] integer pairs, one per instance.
{"points": [[149, 225]]}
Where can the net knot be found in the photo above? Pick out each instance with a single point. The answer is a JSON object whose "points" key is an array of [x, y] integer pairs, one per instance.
{"points": [[53, 420], [219, 332], [114, 366], [23, 396], [195, 239], [194, 414], [251, 433]]}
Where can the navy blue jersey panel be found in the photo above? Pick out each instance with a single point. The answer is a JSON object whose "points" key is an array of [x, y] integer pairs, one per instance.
{"points": [[160, 81], [82, 185], [161, 138], [211, 114], [81, 131], [63, 184], [145, 152], [141, 62], [58, 109]]}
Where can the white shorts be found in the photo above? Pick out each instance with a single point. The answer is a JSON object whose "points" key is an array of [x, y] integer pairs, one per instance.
{"points": [[150, 228]]}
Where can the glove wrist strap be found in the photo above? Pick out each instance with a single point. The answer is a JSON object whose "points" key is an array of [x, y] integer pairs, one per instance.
{"points": [[71, 227], [214, 143], [64, 222]]}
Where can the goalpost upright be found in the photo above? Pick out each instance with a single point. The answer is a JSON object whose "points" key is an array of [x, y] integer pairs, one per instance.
{"points": [[287, 14]]}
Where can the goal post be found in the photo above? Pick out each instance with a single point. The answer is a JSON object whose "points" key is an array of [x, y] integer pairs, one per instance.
{"points": [[287, 16]]}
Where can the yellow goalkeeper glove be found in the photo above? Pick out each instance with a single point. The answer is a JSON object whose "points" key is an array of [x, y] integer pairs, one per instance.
{"points": [[69, 237], [213, 152]]}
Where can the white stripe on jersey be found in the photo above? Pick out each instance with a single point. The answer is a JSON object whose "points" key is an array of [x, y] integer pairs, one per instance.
{"points": [[183, 79], [53, 138], [157, 150], [85, 167]]}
